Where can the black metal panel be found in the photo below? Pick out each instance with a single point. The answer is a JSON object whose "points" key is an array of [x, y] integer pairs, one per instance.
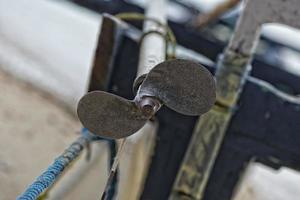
{"points": [[264, 128], [192, 39], [276, 76], [125, 69], [174, 134], [268, 119]]}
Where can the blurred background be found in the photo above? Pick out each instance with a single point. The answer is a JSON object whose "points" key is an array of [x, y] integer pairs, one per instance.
{"points": [[46, 55]]}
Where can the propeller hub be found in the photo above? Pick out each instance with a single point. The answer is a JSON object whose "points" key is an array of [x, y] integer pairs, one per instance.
{"points": [[148, 105]]}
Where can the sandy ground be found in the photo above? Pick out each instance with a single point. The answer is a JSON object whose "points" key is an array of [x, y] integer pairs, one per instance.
{"points": [[33, 130]]}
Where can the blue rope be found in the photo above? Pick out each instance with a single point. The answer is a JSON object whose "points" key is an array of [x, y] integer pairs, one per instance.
{"points": [[47, 178], [54, 171]]}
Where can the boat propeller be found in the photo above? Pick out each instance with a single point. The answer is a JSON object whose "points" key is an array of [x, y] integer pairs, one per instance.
{"points": [[184, 86]]}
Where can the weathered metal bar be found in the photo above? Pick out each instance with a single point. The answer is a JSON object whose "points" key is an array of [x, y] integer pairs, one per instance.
{"points": [[233, 68]]}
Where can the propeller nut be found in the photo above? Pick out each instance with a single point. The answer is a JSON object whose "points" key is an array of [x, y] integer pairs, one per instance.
{"points": [[148, 105]]}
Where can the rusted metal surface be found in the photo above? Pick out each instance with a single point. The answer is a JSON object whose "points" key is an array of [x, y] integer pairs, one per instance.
{"points": [[182, 85], [103, 58], [109, 115], [233, 68]]}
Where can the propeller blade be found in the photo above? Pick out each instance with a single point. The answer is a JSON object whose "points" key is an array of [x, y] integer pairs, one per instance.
{"points": [[109, 116], [182, 85]]}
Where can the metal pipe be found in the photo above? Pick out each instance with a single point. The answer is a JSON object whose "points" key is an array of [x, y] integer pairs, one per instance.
{"points": [[153, 46]]}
